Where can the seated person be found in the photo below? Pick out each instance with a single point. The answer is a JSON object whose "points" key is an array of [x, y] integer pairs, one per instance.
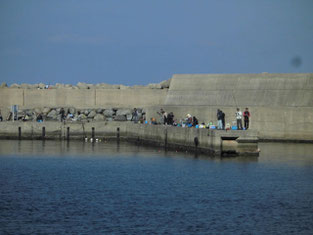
{"points": [[39, 118], [188, 119], [153, 121], [195, 121]]}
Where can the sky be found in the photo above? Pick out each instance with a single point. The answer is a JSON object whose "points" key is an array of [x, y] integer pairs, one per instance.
{"points": [[134, 42]]}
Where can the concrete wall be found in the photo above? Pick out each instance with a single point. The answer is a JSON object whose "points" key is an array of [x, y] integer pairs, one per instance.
{"points": [[81, 98], [130, 97], [10, 97], [268, 90], [281, 105]]}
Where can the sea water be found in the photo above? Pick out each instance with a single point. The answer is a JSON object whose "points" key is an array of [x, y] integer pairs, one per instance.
{"points": [[57, 187]]}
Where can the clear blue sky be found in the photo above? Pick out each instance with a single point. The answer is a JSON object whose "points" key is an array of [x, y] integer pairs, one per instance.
{"points": [[140, 42]]}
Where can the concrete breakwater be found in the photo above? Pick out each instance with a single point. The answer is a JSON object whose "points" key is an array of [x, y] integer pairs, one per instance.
{"points": [[281, 105], [215, 142]]}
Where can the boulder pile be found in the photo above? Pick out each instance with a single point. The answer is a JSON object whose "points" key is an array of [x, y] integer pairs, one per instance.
{"points": [[73, 114], [81, 85]]}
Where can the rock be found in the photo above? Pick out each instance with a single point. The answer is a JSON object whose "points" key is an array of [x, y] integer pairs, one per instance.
{"points": [[99, 117], [68, 86], [53, 114], [92, 114], [59, 118], [123, 112], [108, 113], [99, 111], [107, 86], [29, 112], [41, 86], [154, 86], [20, 112], [14, 85], [115, 86], [72, 110], [45, 110], [27, 117], [139, 87], [38, 110], [82, 85], [165, 84], [82, 116], [122, 87], [129, 117], [109, 119], [25, 86], [59, 85], [33, 86], [120, 118], [3, 85], [91, 86]]}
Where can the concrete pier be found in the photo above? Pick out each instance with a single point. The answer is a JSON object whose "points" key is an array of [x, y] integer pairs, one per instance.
{"points": [[215, 142]]}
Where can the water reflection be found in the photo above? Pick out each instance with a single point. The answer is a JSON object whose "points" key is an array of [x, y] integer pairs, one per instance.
{"points": [[270, 152], [289, 153], [51, 147]]}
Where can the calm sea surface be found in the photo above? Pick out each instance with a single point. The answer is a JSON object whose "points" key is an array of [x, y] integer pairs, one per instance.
{"points": [[57, 187]]}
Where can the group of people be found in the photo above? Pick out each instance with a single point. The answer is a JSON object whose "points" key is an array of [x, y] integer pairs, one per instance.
{"points": [[239, 116], [246, 116], [191, 120], [168, 119], [137, 116]]}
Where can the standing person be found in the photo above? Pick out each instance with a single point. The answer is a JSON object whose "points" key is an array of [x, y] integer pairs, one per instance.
{"points": [[195, 121], [239, 119], [165, 118], [223, 120], [62, 112], [1, 116], [246, 116], [163, 115], [170, 118], [219, 119], [135, 115]]}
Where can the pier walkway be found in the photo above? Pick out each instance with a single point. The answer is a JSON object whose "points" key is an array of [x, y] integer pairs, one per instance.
{"points": [[215, 142]]}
